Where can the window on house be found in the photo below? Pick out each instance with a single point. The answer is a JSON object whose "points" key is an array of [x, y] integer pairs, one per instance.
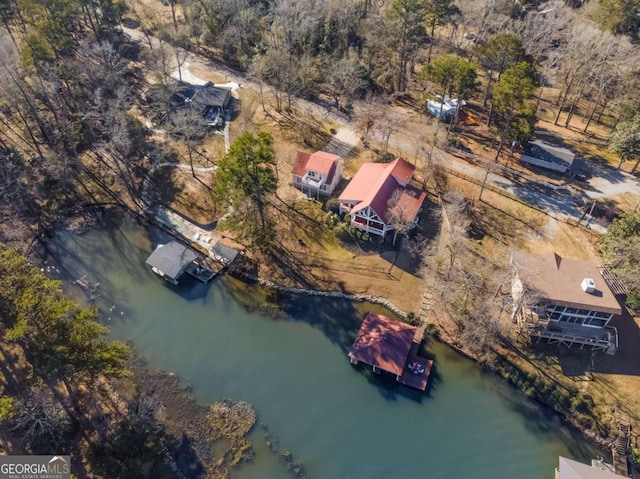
{"points": [[603, 315], [555, 316], [312, 174], [298, 180], [571, 310], [583, 312], [600, 323], [323, 187]]}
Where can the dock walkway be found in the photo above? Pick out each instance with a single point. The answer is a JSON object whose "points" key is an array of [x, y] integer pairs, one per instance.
{"points": [[417, 369]]}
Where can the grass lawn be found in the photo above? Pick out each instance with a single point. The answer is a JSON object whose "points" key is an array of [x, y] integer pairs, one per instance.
{"points": [[308, 254]]}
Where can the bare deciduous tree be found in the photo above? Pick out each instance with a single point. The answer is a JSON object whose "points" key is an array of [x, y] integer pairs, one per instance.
{"points": [[399, 214], [456, 221], [41, 423]]}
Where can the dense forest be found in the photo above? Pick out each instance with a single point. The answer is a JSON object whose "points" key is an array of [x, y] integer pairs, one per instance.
{"points": [[72, 83]]}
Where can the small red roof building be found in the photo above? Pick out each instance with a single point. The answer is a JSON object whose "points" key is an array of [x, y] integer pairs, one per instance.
{"points": [[383, 343], [316, 174], [392, 346]]}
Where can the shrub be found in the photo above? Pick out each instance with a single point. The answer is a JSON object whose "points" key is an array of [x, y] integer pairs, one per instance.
{"points": [[7, 408], [332, 205], [343, 233], [384, 157]]}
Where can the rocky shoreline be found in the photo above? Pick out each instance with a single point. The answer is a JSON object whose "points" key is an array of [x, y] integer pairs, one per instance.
{"points": [[604, 442], [85, 224], [357, 298]]}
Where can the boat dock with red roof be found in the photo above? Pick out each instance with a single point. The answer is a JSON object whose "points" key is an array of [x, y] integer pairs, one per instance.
{"points": [[392, 346]]}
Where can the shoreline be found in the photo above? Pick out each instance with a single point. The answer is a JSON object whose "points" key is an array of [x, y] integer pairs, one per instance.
{"points": [[251, 279], [587, 433]]}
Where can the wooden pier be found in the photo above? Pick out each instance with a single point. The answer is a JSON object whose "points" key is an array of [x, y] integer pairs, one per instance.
{"points": [[197, 271], [417, 369]]}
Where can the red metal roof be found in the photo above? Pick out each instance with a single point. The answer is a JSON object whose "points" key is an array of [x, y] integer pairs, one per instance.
{"points": [[402, 170], [320, 162], [383, 342], [374, 184], [362, 183], [299, 167], [410, 202]]}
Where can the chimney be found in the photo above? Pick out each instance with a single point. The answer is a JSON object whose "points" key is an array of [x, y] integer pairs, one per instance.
{"points": [[588, 285]]}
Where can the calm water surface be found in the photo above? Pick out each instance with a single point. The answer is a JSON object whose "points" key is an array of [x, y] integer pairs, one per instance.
{"points": [[336, 419]]}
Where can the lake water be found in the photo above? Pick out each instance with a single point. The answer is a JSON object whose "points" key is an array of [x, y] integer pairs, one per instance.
{"points": [[336, 419]]}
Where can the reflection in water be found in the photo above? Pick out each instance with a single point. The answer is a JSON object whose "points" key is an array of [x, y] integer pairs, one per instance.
{"points": [[338, 420]]}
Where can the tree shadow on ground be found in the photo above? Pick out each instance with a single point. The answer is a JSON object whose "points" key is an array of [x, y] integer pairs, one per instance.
{"points": [[580, 364], [160, 187], [14, 369], [305, 128], [406, 254], [293, 267], [337, 147], [234, 108], [205, 226], [490, 220]]}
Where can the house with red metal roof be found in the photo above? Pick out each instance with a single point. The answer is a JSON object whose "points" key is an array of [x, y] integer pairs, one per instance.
{"points": [[378, 193], [391, 346], [316, 174]]}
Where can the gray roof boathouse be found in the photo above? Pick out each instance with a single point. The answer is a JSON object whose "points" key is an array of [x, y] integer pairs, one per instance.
{"points": [[171, 260]]}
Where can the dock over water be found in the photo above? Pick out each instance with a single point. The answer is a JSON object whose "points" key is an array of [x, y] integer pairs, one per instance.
{"points": [[392, 346], [417, 369], [172, 260]]}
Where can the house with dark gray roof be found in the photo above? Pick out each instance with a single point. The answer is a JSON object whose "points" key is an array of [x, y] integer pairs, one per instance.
{"points": [[208, 101], [222, 253], [545, 155]]}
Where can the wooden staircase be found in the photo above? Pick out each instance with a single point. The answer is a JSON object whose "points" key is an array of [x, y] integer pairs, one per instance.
{"points": [[619, 450]]}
